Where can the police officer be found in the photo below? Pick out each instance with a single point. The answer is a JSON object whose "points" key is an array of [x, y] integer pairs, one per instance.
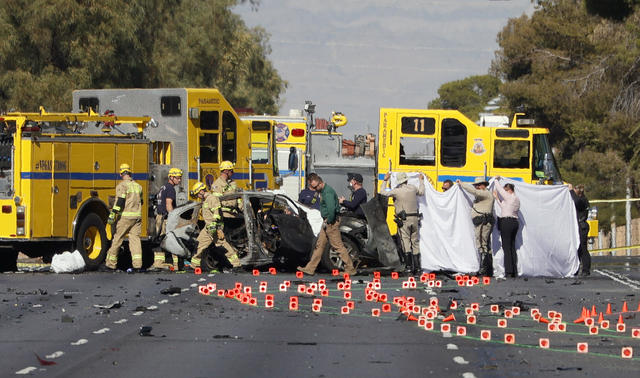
{"points": [[309, 196], [407, 217], [330, 211], [166, 202], [212, 219], [582, 212], [126, 215], [358, 196], [482, 218], [229, 208]]}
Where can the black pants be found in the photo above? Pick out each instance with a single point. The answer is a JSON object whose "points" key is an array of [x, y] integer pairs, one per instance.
{"points": [[583, 253], [508, 231]]}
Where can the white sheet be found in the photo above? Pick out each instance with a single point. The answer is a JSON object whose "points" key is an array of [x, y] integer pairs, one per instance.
{"points": [[546, 244], [547, 240]]}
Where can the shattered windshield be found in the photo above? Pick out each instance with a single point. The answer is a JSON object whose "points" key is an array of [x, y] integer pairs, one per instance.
{"points": [[544, 164]]}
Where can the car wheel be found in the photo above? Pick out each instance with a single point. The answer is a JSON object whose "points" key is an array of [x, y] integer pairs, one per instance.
{"points": [[92, 241], [209, 260], [331, 259]]}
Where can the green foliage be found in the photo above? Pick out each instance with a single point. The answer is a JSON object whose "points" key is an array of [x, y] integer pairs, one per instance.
{"points": [[469, 95], [576, 69], [50, 47]]}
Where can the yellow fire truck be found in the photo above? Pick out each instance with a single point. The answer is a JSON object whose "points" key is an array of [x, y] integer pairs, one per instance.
{"points": [[196, 130], [57, 185], [446, 145]]}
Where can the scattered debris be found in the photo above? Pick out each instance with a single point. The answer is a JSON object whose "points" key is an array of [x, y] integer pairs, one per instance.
{"points": [[145, 331], [66, 319], [116, 304], [44, 362], [171, 290]]}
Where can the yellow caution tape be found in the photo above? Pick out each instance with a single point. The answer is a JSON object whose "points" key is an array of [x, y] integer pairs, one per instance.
{"points": [[614, 249]]}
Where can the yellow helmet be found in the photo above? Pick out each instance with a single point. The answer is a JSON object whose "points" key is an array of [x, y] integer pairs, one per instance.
{"points": [[175, 172], [196, 188], [124, 167], [226, 165]]}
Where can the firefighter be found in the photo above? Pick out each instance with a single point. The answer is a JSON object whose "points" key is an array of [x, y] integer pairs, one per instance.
{"points": [[330, 210], [407, 217], [126, 215], [213, 222], [166, 202], [229, 208], [482, 218]]}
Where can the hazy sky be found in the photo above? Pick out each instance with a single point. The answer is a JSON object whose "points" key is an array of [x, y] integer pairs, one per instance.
{"points": [[356, 56]]}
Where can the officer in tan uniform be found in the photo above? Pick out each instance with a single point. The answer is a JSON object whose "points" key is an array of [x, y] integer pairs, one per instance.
{"points": [[128, 208], [229, 208], [212, 220], [482, 218], [407, 217]]}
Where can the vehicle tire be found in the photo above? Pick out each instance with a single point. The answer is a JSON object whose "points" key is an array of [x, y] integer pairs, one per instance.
{"points": [[8, 260], [209, 260], [331, 259], [92, 241]]}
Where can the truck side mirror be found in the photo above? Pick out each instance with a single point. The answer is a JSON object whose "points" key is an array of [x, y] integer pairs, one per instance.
{"points": [[293, 160]]}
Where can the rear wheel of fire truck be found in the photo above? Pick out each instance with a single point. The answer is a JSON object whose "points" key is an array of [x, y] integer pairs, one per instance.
{"points": [[92, 241], [8, 260], [331, 259]]}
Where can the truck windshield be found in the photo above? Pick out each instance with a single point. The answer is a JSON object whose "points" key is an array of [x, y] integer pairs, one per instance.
{"points": [[544, 165], [6, 156]]}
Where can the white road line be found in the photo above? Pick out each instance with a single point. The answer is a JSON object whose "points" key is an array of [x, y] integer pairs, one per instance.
{"points": [[138, 313], [447, 335], [54, 354], [194, 285], [163, 301], [452, 347], [622, 277], [120, 321], [37, 305], [26, 370], [152, 308], [460, 360], [468, 375], [616, 279], [80, 342], [201, 280], [101, 331]]}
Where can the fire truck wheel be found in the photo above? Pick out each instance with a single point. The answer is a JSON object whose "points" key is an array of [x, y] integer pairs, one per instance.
{"points": [[8, 261], [92, 241], [331, 259]]}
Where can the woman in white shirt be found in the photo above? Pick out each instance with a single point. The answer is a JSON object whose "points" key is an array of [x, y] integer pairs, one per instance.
{"points": [[508, 225]]}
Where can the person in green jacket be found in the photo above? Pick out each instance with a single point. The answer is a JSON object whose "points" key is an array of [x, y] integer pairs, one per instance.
{"points": [[330, 211]]}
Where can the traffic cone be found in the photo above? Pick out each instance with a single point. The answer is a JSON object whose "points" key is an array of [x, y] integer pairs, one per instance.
{"points": [[620, 321], [450, 318], [624, 307], [593, 310], [588, 313], [638, 309], [542, 319], [600, 318], [412, 318], [608, 312]]}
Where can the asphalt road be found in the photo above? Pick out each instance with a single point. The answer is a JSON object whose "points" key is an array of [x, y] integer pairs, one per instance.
{"points": [[55, 318]]}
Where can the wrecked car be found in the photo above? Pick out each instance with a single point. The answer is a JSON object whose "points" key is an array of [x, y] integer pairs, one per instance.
{"points": [[367, 240], [269, 229]]}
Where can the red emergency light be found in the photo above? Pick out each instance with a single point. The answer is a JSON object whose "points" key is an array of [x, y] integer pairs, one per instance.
{"points": [[297, 132]]}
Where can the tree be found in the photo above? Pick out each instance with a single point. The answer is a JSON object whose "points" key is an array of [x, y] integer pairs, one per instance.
{"points": [[50, 47], [469, 95], [575, 67]]}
